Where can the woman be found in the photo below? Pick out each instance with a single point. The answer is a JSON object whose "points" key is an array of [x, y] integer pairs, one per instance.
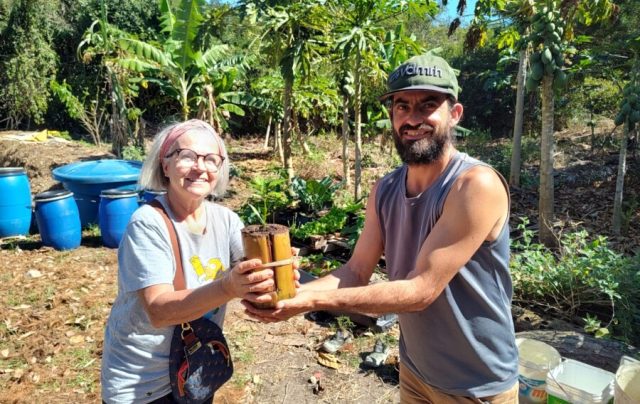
{"points": [[190, 161]]}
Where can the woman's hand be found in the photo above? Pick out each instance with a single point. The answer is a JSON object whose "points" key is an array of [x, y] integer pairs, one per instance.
{"points": [[281, 313], [296, 264], [247, 280], [257, 284]]}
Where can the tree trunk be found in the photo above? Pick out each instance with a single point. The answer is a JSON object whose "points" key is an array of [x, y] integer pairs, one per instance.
{"points": [[301, 138], [346, 175], [384, 140], [214, 121], [184, 100], [141, 129], [514, 174], [622, 169], [114, 112], [266, 135], [358, 127], [93, 122], [118, 122], [278, 142], [545, 202], [286, 135]]}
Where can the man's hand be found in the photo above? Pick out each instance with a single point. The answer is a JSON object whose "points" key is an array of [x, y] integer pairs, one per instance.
{"points": [[284, 310]]}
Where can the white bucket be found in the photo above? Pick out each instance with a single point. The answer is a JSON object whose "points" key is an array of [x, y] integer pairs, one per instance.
{"points": [[536, 359], [578, 383], [627, 382]]}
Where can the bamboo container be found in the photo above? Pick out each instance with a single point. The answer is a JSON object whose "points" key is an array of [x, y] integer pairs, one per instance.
{"points": [[272, 245]]}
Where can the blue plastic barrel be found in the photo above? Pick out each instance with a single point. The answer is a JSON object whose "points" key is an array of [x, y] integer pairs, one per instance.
{"points": [[116, 208], [150, 194], [15, 202], [87, 179], [58, 219]]}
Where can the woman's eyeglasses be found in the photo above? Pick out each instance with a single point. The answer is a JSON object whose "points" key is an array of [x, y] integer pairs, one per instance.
{"points": [[187, 159]]}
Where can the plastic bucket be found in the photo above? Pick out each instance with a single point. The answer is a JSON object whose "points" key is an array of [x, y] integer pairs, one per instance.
{"points": [[87, 180], [15, 202], [150, 194], [627, 382], [578, 383], [116, 208], [535, 361], [58, 219]]}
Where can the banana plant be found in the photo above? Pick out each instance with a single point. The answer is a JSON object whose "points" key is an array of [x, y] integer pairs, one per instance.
{"points": [[197, 76]]}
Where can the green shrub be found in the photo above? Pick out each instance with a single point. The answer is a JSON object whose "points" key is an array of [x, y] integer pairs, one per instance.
{"points": [[330, 223], [133, 153], [584, 279], [269, 195], [319, 264], [27, 60], [348, 220], [314, 195], [598, 96], [353, 229]]}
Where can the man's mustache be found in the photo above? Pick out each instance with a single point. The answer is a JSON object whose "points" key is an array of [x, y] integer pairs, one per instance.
{"points": [[422, 126]]}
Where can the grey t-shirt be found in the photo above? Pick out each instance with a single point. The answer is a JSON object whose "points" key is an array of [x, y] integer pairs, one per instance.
{"points": [[464, 342], [135, 359]]}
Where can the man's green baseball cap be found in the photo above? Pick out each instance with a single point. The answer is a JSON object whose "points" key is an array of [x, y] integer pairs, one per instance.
{"points": [[423, 72]]}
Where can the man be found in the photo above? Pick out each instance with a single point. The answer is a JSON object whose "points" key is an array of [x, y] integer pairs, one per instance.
{"points": [[441, 220]]}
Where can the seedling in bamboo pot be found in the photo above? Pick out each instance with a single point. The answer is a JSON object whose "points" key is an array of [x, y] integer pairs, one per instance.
{"points": [[271, 243]]}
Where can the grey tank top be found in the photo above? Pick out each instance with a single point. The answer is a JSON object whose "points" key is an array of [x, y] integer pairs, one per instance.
{"points": [[464, 342]]}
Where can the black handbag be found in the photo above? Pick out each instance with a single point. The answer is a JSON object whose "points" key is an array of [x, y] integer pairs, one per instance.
{"points": [[199, 360]]}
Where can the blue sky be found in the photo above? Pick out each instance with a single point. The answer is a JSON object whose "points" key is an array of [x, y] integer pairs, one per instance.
{"points": [[450, 12]]}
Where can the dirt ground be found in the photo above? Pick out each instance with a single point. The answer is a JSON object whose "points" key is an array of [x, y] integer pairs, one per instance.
{"points": [[53, 305]]}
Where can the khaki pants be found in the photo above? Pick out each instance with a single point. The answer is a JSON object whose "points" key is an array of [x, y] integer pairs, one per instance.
{"points": [[415, 391]]}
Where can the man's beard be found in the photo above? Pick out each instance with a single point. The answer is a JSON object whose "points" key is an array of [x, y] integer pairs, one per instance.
{"points": [[425, 150]]}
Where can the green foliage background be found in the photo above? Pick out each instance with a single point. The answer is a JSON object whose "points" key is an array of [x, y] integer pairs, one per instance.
{"points": [[39, 42]]}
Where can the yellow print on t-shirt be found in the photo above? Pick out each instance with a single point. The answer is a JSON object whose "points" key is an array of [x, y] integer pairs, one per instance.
{"points": [[210, 271]]}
